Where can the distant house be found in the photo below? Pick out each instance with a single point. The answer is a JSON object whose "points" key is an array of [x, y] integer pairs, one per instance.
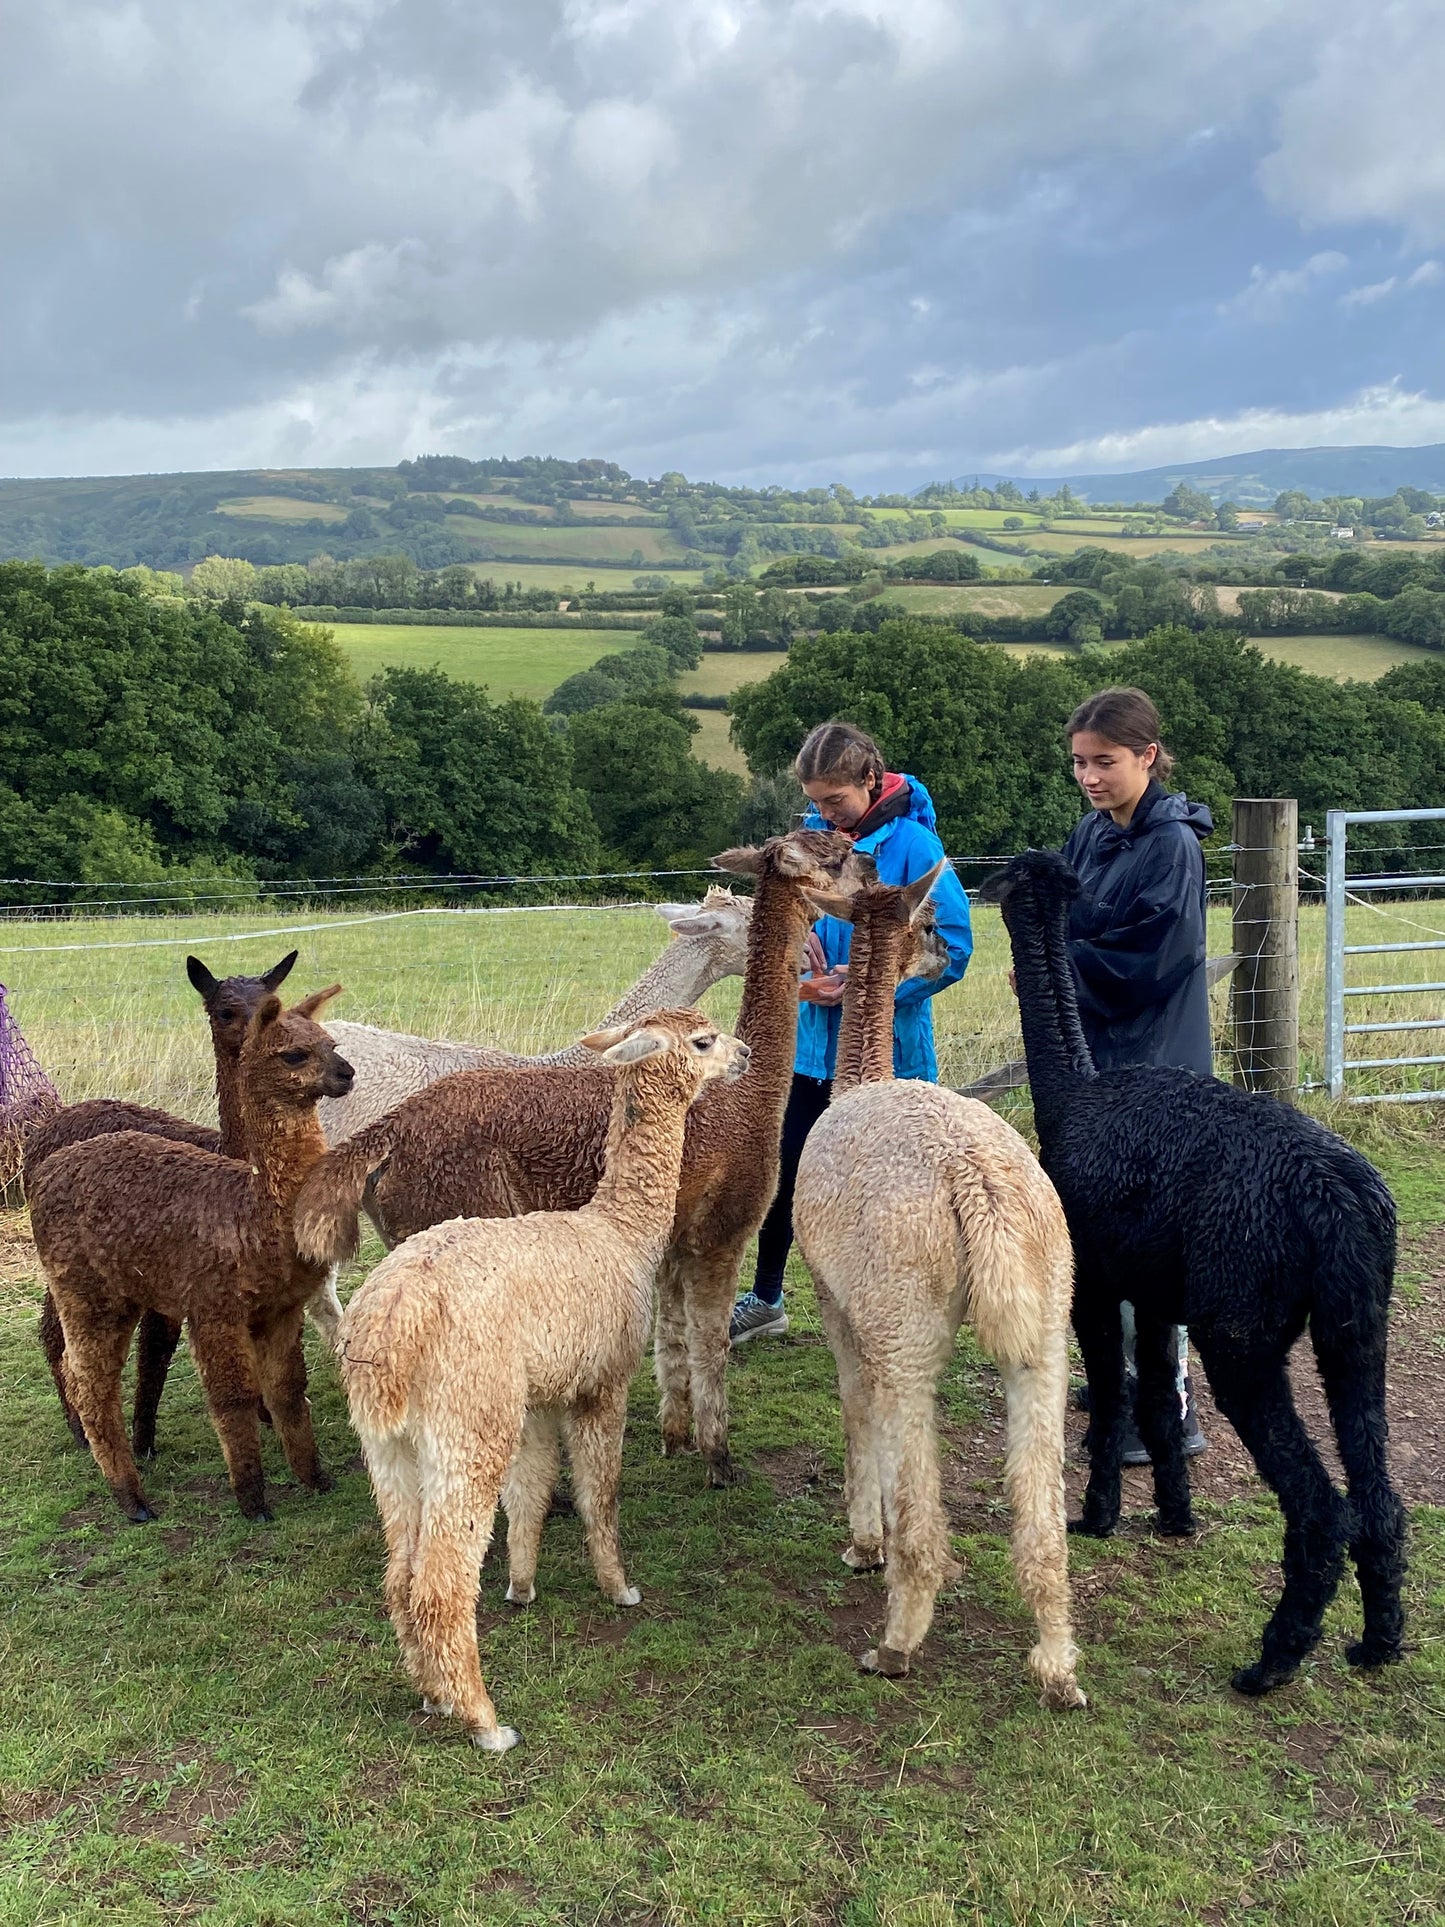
{"points": [[1435, 520], [1343, 535]]}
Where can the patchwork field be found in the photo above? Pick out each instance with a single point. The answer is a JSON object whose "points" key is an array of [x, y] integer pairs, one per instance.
{"points": [[1345, 658], [281, 508], [511, 662], [203, 1719], [721, 671], [614, 545], [574, 577], [1006, 599]]}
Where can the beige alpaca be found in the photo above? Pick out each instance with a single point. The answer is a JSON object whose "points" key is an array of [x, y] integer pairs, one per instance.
{"points": [[709, 942], [473, 1347], [915, 1209]]}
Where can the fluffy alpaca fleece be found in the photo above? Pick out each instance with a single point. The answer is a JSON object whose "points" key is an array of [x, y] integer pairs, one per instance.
{"points": [[499, 1143], [1245, 1220], [477, 1345], [229, 1003], [916, 1208], [710, 942], [131, 1223]]}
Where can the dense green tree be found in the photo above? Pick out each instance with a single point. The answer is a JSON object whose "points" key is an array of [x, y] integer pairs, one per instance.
{"points": [[1293, 505], [678, 636], [220, 576], [630, 675], [1077, 617], [655, 805]]}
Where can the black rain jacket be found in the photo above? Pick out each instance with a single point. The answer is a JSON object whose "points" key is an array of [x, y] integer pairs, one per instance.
{"points": [[1137, 937]]}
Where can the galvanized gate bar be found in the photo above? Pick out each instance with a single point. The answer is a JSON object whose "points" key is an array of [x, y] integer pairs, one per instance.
{"points": [[1339, 886]]}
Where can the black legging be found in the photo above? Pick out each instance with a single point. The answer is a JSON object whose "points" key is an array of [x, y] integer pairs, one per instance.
{"points": [[807, 1102]]}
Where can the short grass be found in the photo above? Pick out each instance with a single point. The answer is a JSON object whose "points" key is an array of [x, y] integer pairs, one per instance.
{"points": [[1345, 658], [591, 544], [1007, 599], [573, 578], [712, 743], [510, 662], [281, 508], [205, 1720], [721, 671]]}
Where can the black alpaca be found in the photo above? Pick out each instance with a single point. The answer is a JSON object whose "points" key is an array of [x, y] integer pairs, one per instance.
{"points": [[1245, 1220]]}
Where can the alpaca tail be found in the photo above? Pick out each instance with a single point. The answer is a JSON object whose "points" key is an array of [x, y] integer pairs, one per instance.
{"points": [[386, 1330], [1011, 1250], [328, 1205]]}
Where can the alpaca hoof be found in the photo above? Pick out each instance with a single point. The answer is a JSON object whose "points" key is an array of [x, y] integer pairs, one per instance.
{"points": [[1258, 1679], [1062, 1696], [722, 1472], [262, 1515], [322, 1481], [140, 1514], [629, 1596], [886, 1661], [1091, 1529], [863, 1558], [1369, 1652], [1182, 1527], [494, 1739], [521, 1595]]}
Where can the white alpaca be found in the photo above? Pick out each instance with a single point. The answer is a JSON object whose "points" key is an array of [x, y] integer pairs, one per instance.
{"points": [[915, 1209], [710, 942], [474, 1344]]}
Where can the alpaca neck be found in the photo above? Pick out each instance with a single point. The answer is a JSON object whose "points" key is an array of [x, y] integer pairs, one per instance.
{"points": [[1054, 1044], [768, 1016], [674, 981], [228, 1105], [281, 1146], [865, 1039], [643, 1162]]}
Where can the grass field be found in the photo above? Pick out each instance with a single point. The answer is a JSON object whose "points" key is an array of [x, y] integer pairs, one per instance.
{"points": [[574, 576], [1007, 599], [601, 545], [205, 1720], [511, 662], [721, 671], [281, 508], [712, 743], [1345, 658]]}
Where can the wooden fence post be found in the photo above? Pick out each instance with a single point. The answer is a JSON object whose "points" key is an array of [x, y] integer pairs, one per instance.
{"points": [[1264, 993]]}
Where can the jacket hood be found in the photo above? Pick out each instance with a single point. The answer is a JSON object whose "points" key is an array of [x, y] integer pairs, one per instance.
{"points": [[1157, 807], [920, 809], [1175, 807]]}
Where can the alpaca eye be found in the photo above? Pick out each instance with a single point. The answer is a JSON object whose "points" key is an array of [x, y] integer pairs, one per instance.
{"points": [[294, 1056], [700, 1043], [226, 1016]]}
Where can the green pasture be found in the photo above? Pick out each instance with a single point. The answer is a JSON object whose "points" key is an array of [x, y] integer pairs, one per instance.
{"points": [[712, 743], [599, 544], [974, 598], [281, 508], [572, 578], [206, 1720], [1345, 658], [511, 662], [721, 671]]}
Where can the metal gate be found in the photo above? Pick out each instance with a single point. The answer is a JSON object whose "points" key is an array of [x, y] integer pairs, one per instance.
{"points": [[1339, 887]]}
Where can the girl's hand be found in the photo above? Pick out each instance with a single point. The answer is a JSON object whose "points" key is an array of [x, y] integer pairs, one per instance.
{"points": [[814, 958], [1013, 982], [827, 989]]}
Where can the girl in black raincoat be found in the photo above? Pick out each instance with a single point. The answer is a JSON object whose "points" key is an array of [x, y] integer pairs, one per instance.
{"points": [[1137, 931]]}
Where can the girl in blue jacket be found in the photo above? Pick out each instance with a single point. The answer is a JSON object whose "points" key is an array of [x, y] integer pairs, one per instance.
{"points": [[890, 817]]}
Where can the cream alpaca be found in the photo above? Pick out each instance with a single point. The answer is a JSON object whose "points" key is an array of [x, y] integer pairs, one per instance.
{"points": [[710, 942], [917, 1208], [477, 1344]]}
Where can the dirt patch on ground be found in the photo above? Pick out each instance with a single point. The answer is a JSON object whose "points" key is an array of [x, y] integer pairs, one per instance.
{"points": [[791, 1470], [170, 1802], [1415, 1404]]}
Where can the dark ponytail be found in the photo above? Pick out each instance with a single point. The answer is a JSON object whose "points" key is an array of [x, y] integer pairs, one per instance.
{"points": [[1124, 716]]}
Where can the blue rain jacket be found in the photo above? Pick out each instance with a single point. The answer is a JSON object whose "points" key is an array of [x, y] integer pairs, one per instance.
{"points": [[905, 848], [1136, 935]]}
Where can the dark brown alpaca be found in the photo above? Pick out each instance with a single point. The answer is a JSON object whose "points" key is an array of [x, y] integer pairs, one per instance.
{"points": [[131, 1223], [230, 1003], [491, 1144]]}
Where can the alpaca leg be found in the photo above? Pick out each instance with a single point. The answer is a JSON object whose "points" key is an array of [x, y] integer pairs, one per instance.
{"points": [[155, 1346], [226, 1361], [396, 1481], [1100, 1333], [281, 1368], [1354, 1381], [670, 1358], [712, 1287], [1253, 1393], [861, 1488], [1034, 1480], [594, 1445], [323, 1308], [460, 1490], [526, 1495], [919, 1561], [1161, 1423], [52, 1340], [95, 1347]]}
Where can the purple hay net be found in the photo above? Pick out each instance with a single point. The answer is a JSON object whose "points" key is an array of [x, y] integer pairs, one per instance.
{"points": [[26, 1093]]}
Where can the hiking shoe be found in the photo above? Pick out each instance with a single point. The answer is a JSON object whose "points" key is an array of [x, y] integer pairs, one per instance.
{"points": [[754, 1317], [1135, 1450]]}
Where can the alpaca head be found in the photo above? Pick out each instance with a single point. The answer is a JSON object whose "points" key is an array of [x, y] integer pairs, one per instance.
{"points": [[231, 1002], [288, 1061], [1034, 884], [683, 1042], [814, 859], [721, 920], [876, 906]]}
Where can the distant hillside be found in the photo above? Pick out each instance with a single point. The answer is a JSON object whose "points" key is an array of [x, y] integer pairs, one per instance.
{"points": [[1254, 479]]}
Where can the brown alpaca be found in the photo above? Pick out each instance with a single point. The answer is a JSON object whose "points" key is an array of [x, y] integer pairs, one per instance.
{"points": [[230, 1003], [477, 1345], [916, 1208], [498, 1143], [131, 1223]]}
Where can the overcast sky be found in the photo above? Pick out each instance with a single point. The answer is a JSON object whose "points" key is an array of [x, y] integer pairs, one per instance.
{"points": [[872, 241]]}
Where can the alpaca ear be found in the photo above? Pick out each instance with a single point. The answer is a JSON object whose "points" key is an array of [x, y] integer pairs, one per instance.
{"points": [[278, 973], [828, 904], [309, 1006], [636, 1045], [916, 894], [265, 1013], [200, 977], [603, 1040], [739, 863]]}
